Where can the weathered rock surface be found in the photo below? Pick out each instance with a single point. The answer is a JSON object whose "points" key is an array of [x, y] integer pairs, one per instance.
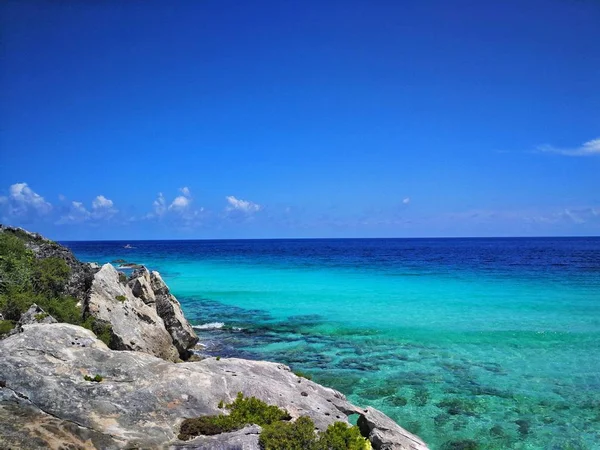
{"points": [[143, 399], [34, 314], [244, 439], [82, 274], [150, 287], [385, 434], [135, 325]]}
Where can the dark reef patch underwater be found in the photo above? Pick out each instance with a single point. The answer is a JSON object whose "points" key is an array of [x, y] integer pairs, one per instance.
{"points": [[469, 343]]}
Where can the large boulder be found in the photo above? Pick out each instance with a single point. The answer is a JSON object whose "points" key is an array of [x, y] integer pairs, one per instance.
{"points": [[45, 401], [135, 325], [150, 287]]}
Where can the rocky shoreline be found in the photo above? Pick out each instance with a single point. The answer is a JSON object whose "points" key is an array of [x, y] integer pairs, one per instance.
{"points": [[63, 387]]}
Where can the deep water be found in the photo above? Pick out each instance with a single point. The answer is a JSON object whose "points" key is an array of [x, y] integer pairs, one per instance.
{"points": [[495, 341]]}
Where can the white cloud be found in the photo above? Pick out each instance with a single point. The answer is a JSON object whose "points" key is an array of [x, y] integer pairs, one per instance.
{"points": [[245, 206], [406, 201], [102, 209], [101, 202], [77, 213], [160, 205], [23, 201], [180, 203], [589, 148]]}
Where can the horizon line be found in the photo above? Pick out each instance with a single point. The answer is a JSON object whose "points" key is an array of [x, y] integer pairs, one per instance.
{"points": [[329, 238]]}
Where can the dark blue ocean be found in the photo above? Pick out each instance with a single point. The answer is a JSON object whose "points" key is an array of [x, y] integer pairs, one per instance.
{"points": [[496, 341]]}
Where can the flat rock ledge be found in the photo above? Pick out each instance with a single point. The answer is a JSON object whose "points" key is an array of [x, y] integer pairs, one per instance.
{"points": [[45, 402]]}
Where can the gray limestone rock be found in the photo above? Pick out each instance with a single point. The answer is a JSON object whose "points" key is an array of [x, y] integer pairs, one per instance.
{"points": [[385, 434], [142, 400], [152, 290], [135, 325]]}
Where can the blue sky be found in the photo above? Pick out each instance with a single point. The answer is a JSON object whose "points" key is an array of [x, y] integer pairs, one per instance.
{"points": [[229, 119]]}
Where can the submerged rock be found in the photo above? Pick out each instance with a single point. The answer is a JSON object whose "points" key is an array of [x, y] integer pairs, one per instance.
{"points": [[141, 400]]}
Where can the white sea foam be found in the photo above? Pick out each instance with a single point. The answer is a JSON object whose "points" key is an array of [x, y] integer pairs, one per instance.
{"points": [[209, 326]]}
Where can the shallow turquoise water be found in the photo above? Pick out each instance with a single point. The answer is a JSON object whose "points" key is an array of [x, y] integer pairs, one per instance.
{"points": [[492, 341]]}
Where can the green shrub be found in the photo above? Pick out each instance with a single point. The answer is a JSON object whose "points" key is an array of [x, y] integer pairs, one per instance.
{"points": [[250, 410], [298, 435], [242, 411], [6, 326], [50, 275], [207, 426], [218, 358], [341, 436], [121, 298], [277, 433], [95, 379], [123, 278]]}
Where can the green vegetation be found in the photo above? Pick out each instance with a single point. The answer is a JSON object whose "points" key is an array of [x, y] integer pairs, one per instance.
{"points": [[95, 379], [41, 316], [218, 358], [303, 375], [25, 280], [6, 326], [121, 298], [242, 411], [122, 278], [278, 433], [300, 435]]}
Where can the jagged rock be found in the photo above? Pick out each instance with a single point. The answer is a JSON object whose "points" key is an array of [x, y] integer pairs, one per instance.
{"points": [[169, 310], [141, 399], [385, 434], [81, 276], [135, 325], [150, 287], [34, 314]]}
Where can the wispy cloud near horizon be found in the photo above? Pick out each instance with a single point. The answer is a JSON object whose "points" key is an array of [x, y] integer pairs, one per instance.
{"points": [[589, 148]]}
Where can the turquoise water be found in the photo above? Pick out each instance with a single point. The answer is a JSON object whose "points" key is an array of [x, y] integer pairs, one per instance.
{"points": [[490, 341]]}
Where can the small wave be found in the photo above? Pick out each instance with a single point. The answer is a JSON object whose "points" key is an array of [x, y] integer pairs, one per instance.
{"points": [[209, 326]]}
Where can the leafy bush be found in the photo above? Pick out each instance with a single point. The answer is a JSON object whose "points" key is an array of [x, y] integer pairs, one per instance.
{"points": [[123, 278], [277, 433], [298, 435], [341, 436], [242, 411], [6, 326], [50, 275], [25, 280]]}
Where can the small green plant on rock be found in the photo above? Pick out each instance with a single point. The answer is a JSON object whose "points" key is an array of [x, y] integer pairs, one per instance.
{"points": [[96, 378], [41, 316], [303, 375], [121, 298]]}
